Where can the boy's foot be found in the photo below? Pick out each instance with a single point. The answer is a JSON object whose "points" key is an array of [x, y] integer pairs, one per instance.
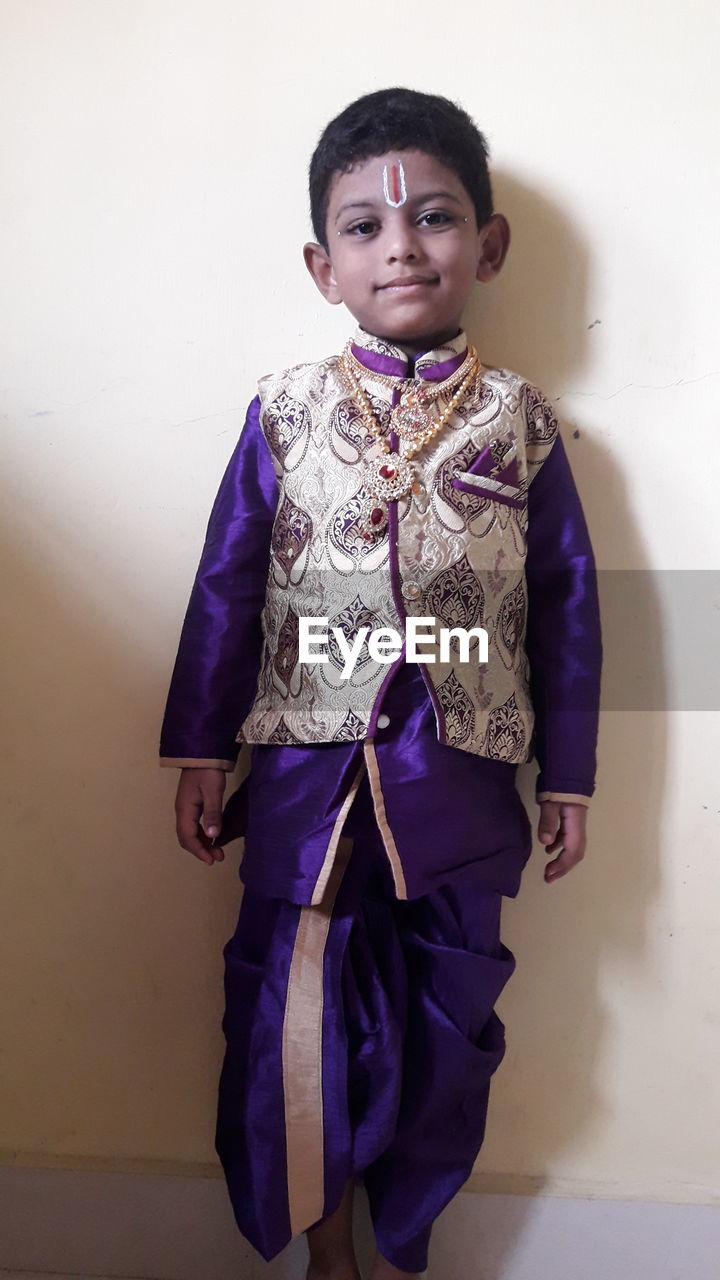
{"points": [[332, 1256], [334, 1271], [384, 1270]]}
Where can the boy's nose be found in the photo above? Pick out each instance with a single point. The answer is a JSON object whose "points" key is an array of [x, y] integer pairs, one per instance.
{"points": [[402, 248], [402, 244]]}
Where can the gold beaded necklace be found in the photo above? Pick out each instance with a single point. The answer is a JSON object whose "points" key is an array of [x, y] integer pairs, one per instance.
{"points": [[424, 389], [390, 475]]}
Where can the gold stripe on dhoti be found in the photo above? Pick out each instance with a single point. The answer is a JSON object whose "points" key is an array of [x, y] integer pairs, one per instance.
{"points": [[326, 868], [381, 819], [302, 1052]]}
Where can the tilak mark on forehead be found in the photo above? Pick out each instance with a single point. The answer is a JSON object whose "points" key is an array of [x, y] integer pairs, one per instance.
{"points": [[394, 188]]}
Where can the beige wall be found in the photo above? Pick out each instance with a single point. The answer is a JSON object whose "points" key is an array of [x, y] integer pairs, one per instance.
{"points": [[155, 207]]}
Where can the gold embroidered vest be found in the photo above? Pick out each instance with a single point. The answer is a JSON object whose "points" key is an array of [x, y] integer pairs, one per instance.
{"points": [[454, 551]]}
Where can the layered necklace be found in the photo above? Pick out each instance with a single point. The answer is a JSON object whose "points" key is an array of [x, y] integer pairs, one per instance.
{"points": [[390, 475]]}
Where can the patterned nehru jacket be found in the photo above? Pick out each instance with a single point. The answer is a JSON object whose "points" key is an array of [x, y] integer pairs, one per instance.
{"points": [[454, 552]]}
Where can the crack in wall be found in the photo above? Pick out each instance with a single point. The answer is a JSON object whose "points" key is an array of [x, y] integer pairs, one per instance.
{"points": [[640, 386]]}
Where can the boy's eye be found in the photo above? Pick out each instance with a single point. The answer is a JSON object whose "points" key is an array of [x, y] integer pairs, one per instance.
{"points": [[433, 218], [436, 213], [361, 227]]}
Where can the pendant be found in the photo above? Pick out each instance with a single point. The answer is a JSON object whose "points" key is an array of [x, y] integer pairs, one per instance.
{"points": [[387, 477], [411, 422], [373, 518]]}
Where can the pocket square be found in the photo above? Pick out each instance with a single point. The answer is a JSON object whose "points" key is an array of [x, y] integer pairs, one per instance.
{"points": [[493, 474], [509, 473], [483, 464], [498, 461], [488, 487]]}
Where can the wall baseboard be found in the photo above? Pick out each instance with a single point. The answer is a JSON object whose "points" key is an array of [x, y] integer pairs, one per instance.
{"points": [[484, 1181], [162, 1227]]}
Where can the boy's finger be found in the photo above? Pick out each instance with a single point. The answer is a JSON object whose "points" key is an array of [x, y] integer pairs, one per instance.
{"points": [[549, 821], [574, 848], [212, 796], [217, 851], [556, 844], [208, 855], [212, 822], [192, 838], [561, 865], [554, 870], [198, 810]]}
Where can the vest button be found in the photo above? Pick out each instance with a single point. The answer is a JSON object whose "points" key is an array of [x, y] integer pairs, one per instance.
{"points": [[383, 721], [411, 590]]}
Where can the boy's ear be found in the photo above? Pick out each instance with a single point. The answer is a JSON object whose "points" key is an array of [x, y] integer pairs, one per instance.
{"points": [[317, 261], [493, 244]]}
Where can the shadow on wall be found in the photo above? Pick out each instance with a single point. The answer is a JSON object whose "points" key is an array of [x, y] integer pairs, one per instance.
{"points": [[547, 1098], [533, 316]]}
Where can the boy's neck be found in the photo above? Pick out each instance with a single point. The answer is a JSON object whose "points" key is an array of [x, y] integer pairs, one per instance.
{"points": [[419, 346]]}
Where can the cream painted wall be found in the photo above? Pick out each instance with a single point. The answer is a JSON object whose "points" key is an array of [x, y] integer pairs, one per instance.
{"points": [[154, 159]]}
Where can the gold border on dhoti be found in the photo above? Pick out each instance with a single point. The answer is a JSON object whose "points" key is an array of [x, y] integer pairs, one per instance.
{"points": [[302, 1040], [302, 1052], [329, 859], [381, 818]]}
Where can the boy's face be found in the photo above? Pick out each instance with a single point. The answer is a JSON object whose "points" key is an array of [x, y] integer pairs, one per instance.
{"points": [[405, 217]]}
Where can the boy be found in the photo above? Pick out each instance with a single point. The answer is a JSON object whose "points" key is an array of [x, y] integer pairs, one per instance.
{"points": [[401, 484]]}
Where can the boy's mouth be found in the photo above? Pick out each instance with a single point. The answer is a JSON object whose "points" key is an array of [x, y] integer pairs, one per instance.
{"points": [[409, 282]]}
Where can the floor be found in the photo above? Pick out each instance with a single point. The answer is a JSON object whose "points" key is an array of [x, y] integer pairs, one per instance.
{"points": [[80, 1225]]}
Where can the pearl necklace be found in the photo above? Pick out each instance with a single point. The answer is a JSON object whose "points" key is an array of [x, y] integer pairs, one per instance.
{"points": [[389, 475]]}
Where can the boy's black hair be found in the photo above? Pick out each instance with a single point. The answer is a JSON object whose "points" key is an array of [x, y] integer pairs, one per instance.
{"points": [[395, 120]]}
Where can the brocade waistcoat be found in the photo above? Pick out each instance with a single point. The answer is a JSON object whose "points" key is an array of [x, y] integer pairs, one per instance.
{"points": [[453, 550]]}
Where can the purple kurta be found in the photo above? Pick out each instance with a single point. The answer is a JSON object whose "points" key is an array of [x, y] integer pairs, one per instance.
{"points": [[449, 813]]}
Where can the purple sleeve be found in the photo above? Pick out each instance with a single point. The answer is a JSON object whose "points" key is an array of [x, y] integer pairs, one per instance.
{"points": [[563, 638], [214, 680]]}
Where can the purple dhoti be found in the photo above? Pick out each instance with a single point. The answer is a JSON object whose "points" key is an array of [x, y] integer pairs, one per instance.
{"points": [[368, 1023]]}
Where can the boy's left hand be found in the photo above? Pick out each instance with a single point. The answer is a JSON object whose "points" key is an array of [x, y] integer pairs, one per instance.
{"points": [[562, 826]]}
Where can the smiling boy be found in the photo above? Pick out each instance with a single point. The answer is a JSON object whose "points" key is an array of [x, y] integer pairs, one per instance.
{"points": [[401, 479], [397, 282]]}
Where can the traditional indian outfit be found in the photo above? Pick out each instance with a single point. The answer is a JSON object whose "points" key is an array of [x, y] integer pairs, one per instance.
{"points": [[381, 819]]}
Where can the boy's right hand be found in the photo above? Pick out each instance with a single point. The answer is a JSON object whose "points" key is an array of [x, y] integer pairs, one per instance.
{"points": [[198, 810]]}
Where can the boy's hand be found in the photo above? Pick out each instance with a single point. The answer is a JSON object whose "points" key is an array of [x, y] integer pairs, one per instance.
{"points": [[562, 826], [199, 796]]}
